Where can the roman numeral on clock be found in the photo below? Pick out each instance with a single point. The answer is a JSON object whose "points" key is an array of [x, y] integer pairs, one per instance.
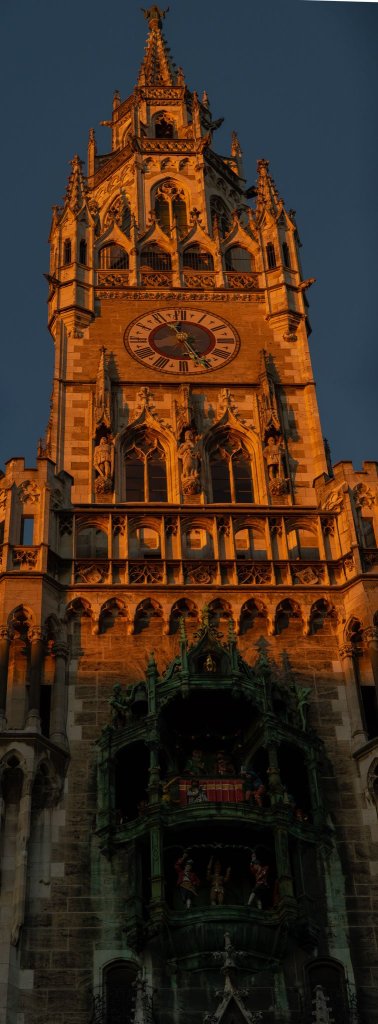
{"points": [[183, 366], [160, 363]]}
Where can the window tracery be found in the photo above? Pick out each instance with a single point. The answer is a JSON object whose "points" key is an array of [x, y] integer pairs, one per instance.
{"points": [[146, 476], [164, 126], [231, 474], [170, 207], [219, 209]]}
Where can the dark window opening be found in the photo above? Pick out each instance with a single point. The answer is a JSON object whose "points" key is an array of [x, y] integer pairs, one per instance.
{"points": [[155, 258], [242, 479], [134, 480], [196, 258], [113, 257], [220, 477], [157, 479], [164, 128], [271, 256], [83, 252], [67, 252], [238, 259], [369, 539], [119, 994], [286, 255], [370, 710], [131, 782]]}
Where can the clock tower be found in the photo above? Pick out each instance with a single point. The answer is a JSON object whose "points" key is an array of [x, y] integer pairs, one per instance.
{"points": [[188, 649]]}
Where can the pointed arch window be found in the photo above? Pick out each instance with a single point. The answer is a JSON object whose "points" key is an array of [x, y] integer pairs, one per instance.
{"points": [[146, 475], [154, 258], [113, 257], [197, 258], [238, 259], [170, 207], [67, 252], [83, 252], [271, 256], [231, 474], [164, 127], [286, 255], [219, 210]]}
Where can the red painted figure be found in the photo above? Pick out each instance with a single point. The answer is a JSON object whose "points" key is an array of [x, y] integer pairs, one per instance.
{"points": [[187, 880]]}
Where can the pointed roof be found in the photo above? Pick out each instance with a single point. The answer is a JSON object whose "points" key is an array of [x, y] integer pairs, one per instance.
{"points": [[157, 67], [267, 194], [76, 190], [232, 997]]}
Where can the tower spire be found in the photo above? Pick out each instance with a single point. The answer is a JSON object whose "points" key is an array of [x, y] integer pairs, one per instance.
{"points": [[157, 67]]}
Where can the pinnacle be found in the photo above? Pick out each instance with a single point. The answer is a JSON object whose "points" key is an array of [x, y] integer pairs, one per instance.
{"points": [[157, 66], [267, 194], [76, 187]]}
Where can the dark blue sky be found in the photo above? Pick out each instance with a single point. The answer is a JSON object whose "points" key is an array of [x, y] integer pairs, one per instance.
{"points": [[296, 79]]}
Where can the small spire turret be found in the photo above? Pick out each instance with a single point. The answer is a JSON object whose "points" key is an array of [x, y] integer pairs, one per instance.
{"points": [[157, 66], [76, 191]]}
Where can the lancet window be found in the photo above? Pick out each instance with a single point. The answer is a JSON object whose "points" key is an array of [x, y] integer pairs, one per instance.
{"points": [[67, 252], [113, 257], [83, 252], [197, 258], [155, 258], [170, 207], [231, 474], [238, 259], [219, 210], [286, 254], [146, 475], [271, 256]]}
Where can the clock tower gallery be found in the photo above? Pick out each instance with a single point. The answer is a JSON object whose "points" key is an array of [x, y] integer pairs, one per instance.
{"points": [[188, 645]]}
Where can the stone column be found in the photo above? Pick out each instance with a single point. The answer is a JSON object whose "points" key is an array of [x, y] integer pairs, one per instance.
{"points": [[347, 656], [5, 639], [285, 880], [59, 696], [37, 645]]}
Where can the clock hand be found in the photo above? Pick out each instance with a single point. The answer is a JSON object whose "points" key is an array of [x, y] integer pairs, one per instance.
{"points": [[186, 340]]}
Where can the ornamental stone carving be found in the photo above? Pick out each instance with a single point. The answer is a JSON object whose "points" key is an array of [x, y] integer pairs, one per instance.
{"points": [[190, 454], [29, 492], [364, 497], [334, 501], [103, 460]]}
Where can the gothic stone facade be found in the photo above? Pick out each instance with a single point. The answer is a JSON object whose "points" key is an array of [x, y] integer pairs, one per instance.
{"points": [[189, 613]]}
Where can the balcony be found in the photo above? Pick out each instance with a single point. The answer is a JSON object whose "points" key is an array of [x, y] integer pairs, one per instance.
{"points": [[194, 572], [241, 279]]}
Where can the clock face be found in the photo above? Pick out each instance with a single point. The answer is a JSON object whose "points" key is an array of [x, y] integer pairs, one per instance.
{"points": [[181, 341]]}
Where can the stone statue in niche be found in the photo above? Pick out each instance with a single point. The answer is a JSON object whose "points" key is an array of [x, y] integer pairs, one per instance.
{"points": [[103, 460], [274, 457], [218, 881], [260, 889], [187, 880], [189, 453]]}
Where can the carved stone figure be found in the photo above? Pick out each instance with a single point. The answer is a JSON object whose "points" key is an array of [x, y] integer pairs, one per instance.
{"points": [[217, 880], [273, 453], [259, 874], [119, 702], [104, 464], [189, 453], [187, 880], [196, 794], [253, 786]]}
